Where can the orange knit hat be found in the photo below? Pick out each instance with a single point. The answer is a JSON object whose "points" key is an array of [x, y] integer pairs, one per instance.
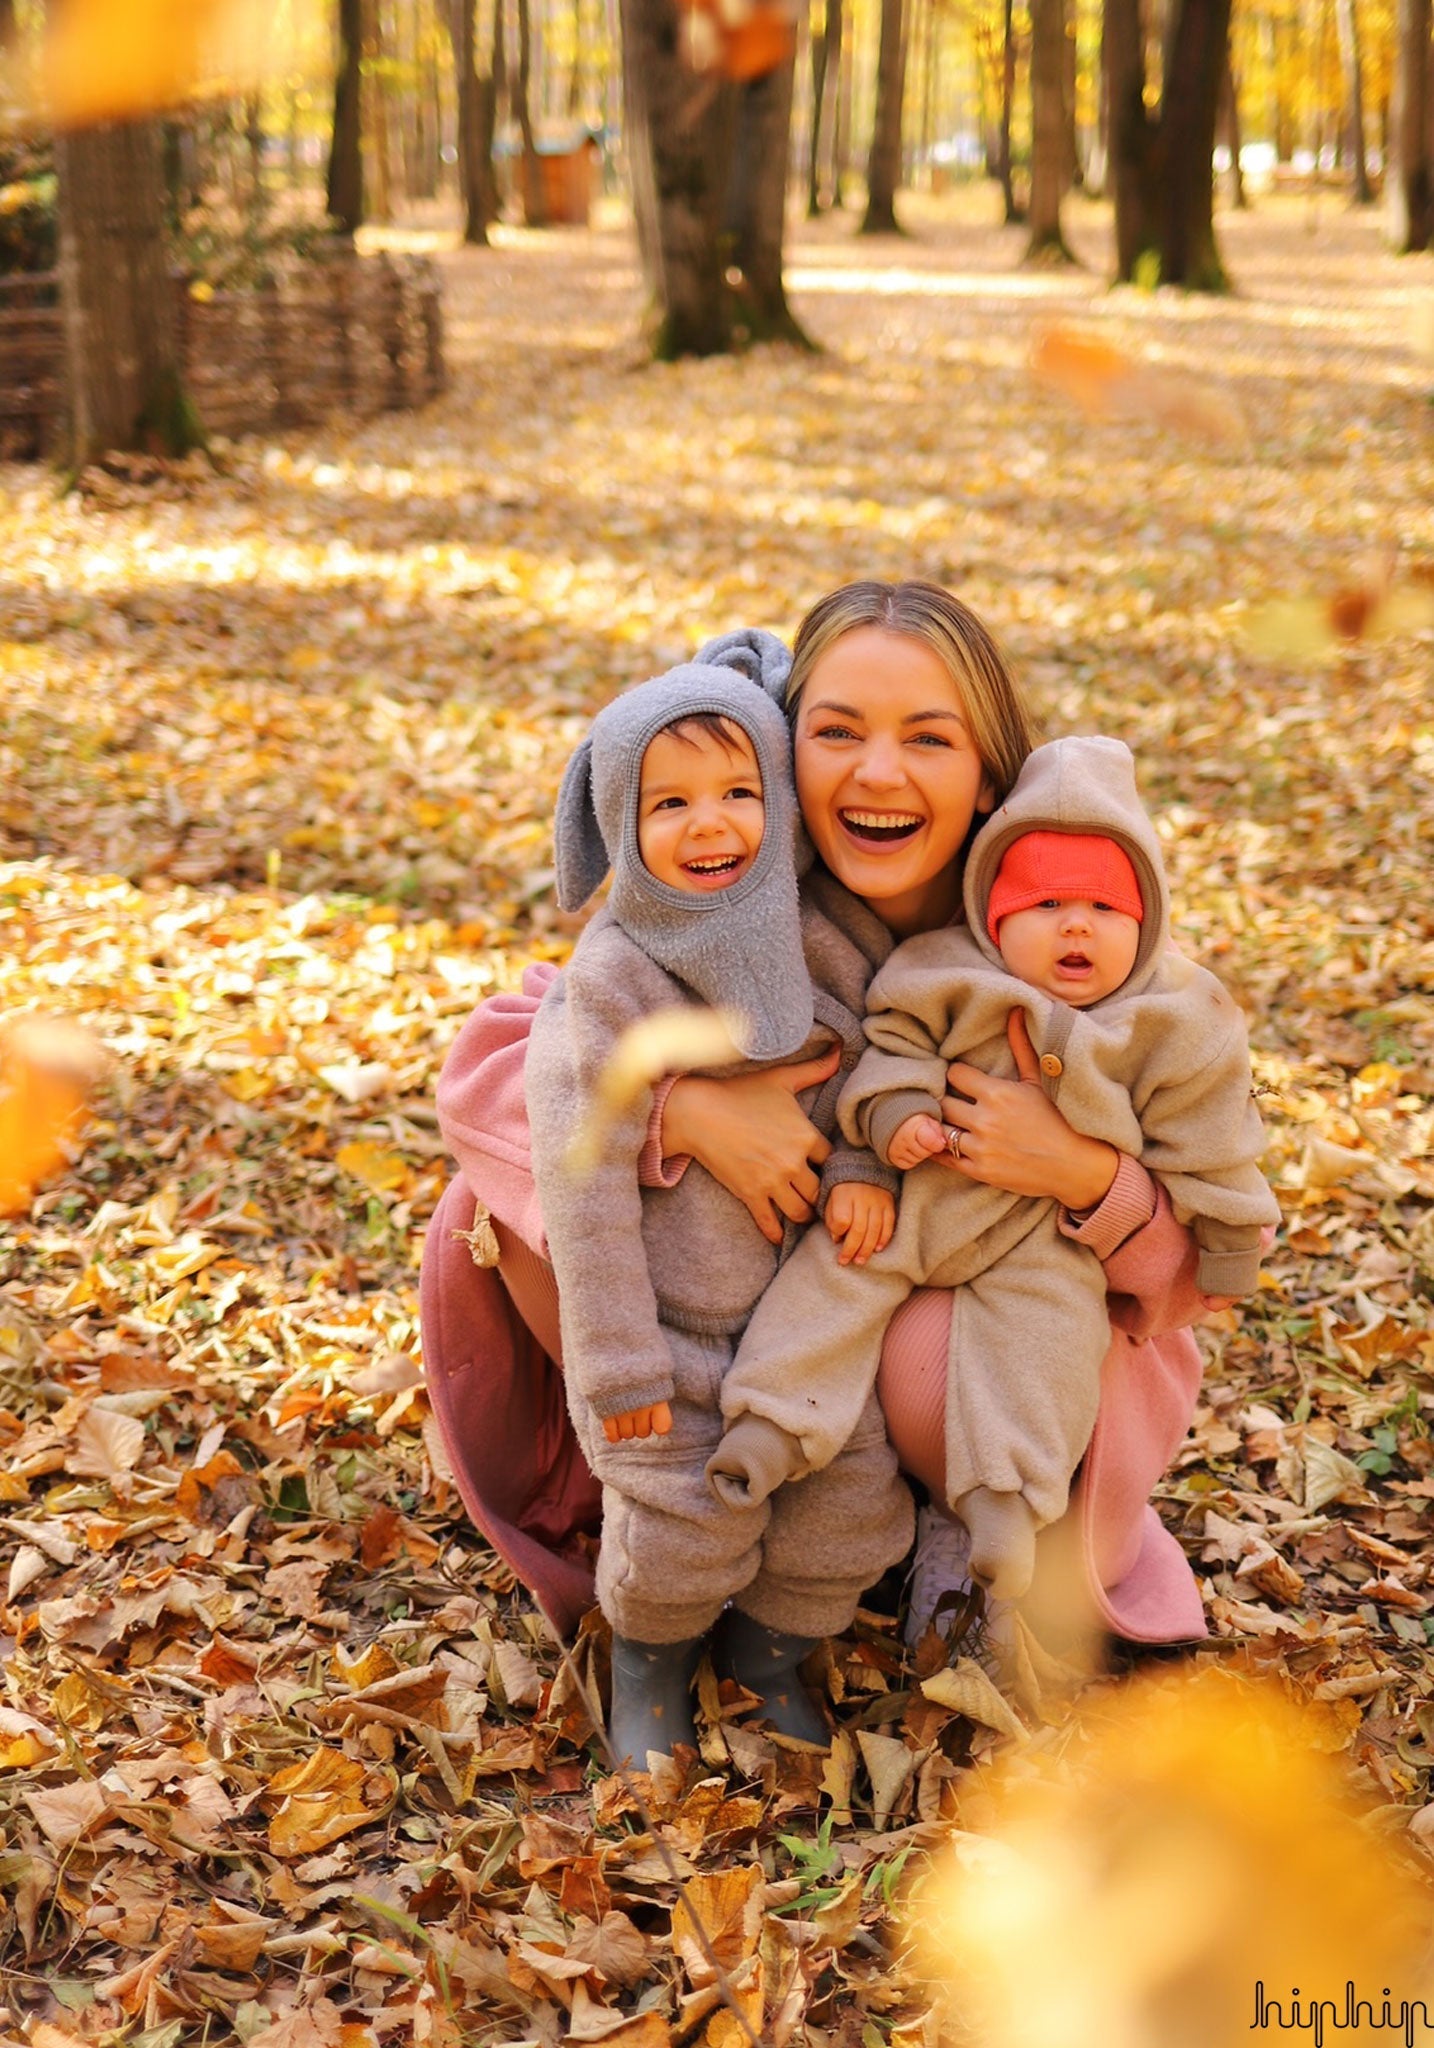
{"points": [[1062, 865]]}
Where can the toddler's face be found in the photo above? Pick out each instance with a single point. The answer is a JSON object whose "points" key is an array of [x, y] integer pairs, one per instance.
{"points": [[1078, 951], [699, 814]]}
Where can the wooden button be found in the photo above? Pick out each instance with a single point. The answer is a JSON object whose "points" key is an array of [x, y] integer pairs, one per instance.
{"points": [[1051, 1064]]}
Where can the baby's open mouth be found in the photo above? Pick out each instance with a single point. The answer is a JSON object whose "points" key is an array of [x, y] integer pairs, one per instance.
{"points": [[720, 864], [882, 828], [1075, 963]]}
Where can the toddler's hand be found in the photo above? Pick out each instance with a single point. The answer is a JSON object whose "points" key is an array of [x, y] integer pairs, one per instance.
{"points": [[655, 1421], [920, 1137], [860, 1219]]}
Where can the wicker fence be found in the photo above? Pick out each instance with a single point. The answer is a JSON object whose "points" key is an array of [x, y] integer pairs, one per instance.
{"points": [[353, 335]]}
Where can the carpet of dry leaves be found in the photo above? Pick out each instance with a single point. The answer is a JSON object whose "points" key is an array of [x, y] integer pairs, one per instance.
{"points": [[283, 1755]]}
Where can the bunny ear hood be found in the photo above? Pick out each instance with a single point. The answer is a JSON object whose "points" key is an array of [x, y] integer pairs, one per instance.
{"points": [[754, 653], [740, 947], [1076, 785]]}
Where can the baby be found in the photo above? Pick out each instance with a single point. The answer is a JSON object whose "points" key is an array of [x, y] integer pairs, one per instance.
{"points": [[1067, 919], [685, 789]]}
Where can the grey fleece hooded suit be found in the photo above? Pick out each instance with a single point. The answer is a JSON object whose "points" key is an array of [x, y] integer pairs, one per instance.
{"points": [[656, 1285], [1159, 1068]]}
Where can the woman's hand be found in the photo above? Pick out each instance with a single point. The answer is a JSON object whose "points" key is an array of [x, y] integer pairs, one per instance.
{"points": [[1014, 1137], [656, 1421], [751, 1134]]}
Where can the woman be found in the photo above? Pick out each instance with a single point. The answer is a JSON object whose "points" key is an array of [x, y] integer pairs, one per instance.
{"points": [[907, 730]]}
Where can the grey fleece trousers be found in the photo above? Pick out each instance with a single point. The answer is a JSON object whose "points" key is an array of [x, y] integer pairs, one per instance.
{"points": [[673, 1555]]}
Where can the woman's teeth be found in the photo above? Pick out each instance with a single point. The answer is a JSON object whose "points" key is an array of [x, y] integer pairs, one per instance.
{"points": [[881, 824]]}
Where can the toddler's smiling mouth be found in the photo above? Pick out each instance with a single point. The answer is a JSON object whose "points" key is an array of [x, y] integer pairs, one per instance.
{"points": [[718, 864]]}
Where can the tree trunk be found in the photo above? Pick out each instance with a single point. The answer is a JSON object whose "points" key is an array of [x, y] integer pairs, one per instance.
{"points": [[826, 77], [758, 206], [1008, 98], [709, 178], [575, 76], [7, 22], [884, 163], [1229, 127], [1048, 133], [344, 190], [841, 134], [1070, 86], [475, 129], [535, 211], [376, 120], [1162, 170], [1130, 137], [122, 356], [1407, 168]]}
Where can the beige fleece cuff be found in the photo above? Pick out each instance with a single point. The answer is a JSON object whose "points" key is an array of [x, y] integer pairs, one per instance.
{"points": [[1228, 1273], [754, 1458]]}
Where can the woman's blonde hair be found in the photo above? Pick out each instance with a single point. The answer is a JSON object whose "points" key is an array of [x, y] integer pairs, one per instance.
{"points": [[1001, 723]]}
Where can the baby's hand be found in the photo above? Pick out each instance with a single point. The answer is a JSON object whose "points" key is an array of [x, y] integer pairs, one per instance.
{"points": [[920, 1137], [861, 1219], [656, 1421]]}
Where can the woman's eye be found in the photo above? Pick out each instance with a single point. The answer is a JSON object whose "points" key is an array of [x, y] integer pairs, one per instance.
{"points": [[834, 732], [931, 739]]}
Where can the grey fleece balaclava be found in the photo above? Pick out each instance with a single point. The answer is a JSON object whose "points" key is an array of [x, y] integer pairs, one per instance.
{"points": [[756, 654], [740, 948]]}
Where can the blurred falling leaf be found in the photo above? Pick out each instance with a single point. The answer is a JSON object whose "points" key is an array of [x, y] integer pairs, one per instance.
{"points": [[1367, 610], [1107, 383], [669, 1042], [48, 1069], [1137, 1891], [110, 60]]}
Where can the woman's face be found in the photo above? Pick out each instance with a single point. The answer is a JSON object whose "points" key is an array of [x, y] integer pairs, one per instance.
{"points": [[888, 775]]}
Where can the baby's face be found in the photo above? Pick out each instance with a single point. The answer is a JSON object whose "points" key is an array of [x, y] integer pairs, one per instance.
{"points": [[1078, 951], [699, 813]]}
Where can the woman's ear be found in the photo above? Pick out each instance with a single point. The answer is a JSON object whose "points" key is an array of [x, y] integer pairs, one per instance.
{"points": [[578, 843], [986, 794]]}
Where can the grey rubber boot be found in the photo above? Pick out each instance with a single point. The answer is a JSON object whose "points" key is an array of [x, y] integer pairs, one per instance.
{"points": [[651, 1697], [764, 1661]]}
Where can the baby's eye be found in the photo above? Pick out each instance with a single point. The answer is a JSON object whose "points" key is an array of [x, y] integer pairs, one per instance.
{"points": [[1104, 906], [1051, 903], [744, 791], [670, 803]]}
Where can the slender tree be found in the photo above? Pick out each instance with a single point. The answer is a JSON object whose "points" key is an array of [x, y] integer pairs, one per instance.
{"points": [[1228, 128], [477, 98], [826, 80], [884, 163], [344, 188], [535, 210], [1049, 135], [122, 352], [1008, 99], [1409, 194], [1361, 192], [1162, 160]]}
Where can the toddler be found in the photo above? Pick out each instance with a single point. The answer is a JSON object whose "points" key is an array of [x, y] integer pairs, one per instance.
{"points": [[1067, 919], [684, 788]]}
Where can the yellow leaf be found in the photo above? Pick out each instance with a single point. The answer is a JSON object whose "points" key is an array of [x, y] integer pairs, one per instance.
{"points": [[382, 1171], [324, 1798], [668, 1042]]}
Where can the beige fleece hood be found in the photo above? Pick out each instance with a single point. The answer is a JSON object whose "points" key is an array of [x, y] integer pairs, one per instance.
{"points": [[1076, 785]]}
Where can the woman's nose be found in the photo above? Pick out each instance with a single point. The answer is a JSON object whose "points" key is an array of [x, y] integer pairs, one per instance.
{"points": [[880, 765]]}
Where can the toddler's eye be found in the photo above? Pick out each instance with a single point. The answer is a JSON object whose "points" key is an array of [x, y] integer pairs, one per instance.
{"points": [[670, 803], [742, 791]]}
